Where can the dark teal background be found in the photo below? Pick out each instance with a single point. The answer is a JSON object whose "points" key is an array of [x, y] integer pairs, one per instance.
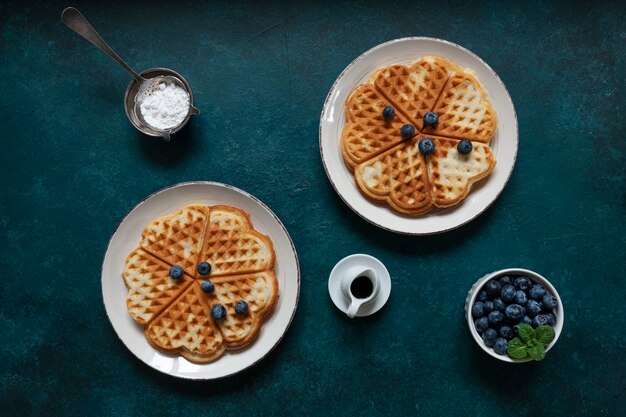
{"points": [[72, 166]]}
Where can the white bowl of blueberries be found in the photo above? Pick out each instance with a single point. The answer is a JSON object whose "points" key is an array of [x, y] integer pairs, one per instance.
{"points": [[515, 315]]}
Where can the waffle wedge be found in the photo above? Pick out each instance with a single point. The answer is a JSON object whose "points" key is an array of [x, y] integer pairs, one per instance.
{"points": [[414, 89], [186, 327], [398, 177], [176, 239], [258, 290], [453, 174], [176, 313], [464, 111], [150, 288], [366, 134], [232, 247]]}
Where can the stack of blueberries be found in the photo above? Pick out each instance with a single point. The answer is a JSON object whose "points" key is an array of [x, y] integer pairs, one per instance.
{"points": [[506, 302]]}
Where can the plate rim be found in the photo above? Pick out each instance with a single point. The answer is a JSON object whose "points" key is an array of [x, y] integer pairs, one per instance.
{"points": [[359, 58], [266, 208]]}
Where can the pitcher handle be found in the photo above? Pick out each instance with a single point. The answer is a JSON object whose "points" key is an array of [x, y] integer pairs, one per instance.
{"points": [[353, 309]]}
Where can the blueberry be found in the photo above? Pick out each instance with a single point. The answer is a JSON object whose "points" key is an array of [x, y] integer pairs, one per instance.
{"points": [[426, 146], [507, 332], [506, 280], [388, 113], [489, 337], [481, 324], [407, 131], [541, 320], [527, 320], [520, 298], [207, 286], [549, 301], [218, 312], [537, 292], [478, 309], [176, 271], [431, 119], [507, 293], [495, 317], [514, 312], [493, 288], [551, 319], [482, 296], [522, 283], [241, 307], [204, 268], [464, 147], [488, 306], [500, 346], [499, 305], [533, 308]]}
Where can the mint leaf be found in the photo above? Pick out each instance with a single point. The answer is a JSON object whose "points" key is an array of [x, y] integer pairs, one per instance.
{"points": [[526, 332], [544, 334], [517, 349], [537, 352]]}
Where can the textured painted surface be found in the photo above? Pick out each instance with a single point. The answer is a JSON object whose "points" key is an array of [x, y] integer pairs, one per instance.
{"points": [[72, 166]]}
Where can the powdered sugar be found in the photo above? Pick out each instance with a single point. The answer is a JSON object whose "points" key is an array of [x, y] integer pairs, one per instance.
{"points": [[166, 107]]}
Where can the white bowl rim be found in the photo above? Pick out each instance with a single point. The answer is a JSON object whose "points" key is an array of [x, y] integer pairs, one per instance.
{"points": [[534, 276]]}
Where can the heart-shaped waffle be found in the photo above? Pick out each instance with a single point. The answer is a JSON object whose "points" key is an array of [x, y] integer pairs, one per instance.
{"points": [[464, 111], [258, 290], [176, 239], [232, 247], [414, 90], [366, 134], [176, 310], [150, 288], [399, 177], [452, 174], [186, 327]]}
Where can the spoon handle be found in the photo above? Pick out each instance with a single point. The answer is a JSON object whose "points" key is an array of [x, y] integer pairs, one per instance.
{"points": [[75, 21]]}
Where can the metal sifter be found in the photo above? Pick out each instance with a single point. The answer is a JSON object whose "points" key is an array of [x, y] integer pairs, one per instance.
{"points": [[142, 85]]}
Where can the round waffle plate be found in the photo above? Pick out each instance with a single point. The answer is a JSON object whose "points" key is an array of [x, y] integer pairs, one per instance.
{"points": [[406, 51], [127, 237]]}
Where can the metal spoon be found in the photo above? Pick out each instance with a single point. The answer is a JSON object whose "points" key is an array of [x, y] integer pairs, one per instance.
{"points": [[75, 21]]}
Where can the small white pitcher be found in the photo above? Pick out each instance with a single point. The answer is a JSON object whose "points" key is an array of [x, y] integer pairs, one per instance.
{"points": [[341, 280], [346, 285]]}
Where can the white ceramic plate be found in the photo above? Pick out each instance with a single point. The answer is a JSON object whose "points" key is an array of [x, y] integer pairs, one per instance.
{"points": [[405, 51], [127, 237]]}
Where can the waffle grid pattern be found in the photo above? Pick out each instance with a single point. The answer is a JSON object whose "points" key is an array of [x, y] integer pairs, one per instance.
{"points": [[452, 174], [464, 112], [399, 176], [366, 133], [176, 314]]}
